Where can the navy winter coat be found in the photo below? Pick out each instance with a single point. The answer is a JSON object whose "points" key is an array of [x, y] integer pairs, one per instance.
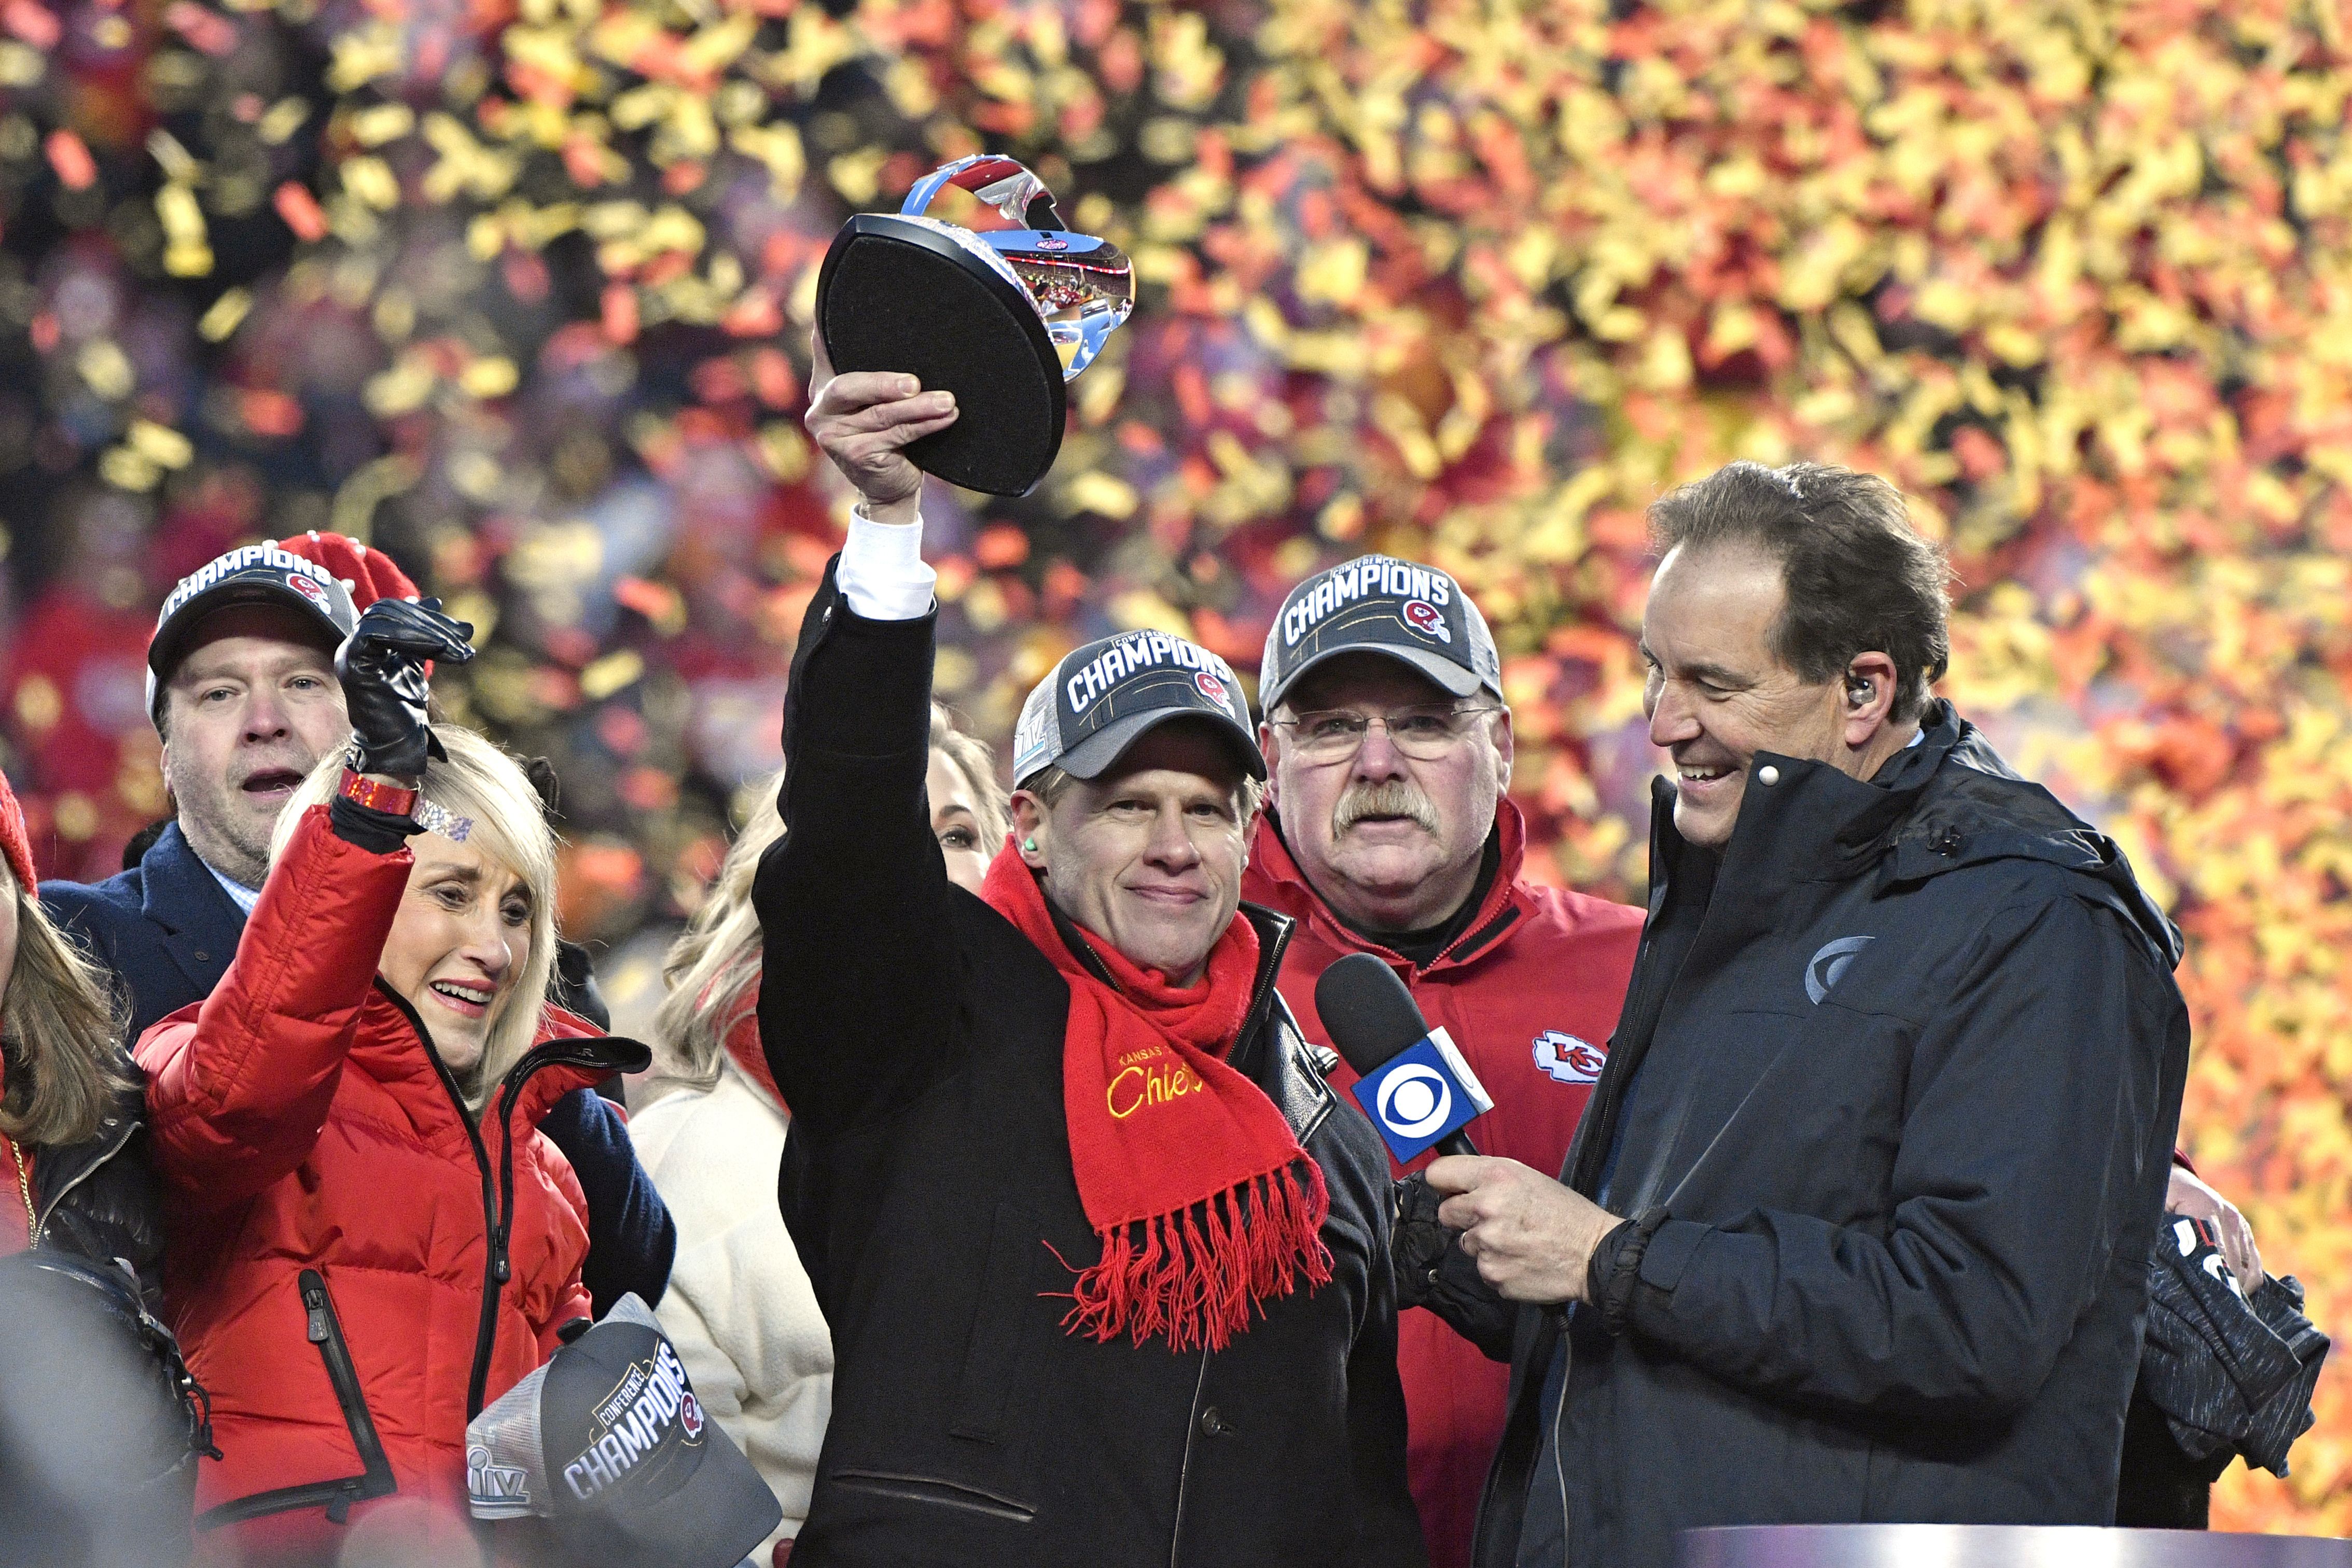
{"points": [[1896, 1082]]}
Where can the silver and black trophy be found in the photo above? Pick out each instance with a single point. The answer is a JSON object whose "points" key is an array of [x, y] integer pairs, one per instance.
{"points": [[1004, 318]]}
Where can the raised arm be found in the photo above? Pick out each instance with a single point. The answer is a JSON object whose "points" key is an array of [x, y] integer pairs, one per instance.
{"points": [[238, 1092], [238, 1089], [858, 976]]}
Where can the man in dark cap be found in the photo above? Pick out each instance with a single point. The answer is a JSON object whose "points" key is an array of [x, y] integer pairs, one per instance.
{"points": [[1389, 830], [1106, 1264]]}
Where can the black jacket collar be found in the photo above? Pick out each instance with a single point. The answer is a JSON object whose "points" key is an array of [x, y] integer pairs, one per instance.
{"points": [[1948, 802]]}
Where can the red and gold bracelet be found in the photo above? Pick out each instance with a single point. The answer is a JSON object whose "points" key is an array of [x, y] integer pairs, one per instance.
{"points": [[363, 790]]}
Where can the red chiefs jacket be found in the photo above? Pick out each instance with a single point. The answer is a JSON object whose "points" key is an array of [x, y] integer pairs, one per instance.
{"points": [[1531, 993], [352, 1265]]}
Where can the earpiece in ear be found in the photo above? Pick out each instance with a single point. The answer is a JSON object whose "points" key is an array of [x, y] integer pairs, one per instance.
{"points": [[1858, 691], [1028, 846]]}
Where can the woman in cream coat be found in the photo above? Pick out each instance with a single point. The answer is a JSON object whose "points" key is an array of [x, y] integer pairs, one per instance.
{"points": [[709, 1129]]}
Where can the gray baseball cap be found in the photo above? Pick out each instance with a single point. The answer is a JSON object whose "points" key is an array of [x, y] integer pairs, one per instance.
{"points": [[1104, 697], [1378, 604]]}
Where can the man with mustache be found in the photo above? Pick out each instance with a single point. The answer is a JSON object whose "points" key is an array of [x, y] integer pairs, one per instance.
{"points": [[241, 685], [1389, 831], [1857, 1228]]}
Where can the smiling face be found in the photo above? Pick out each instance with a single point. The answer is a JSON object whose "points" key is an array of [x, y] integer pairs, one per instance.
{"points": [[955, 819], [1390, 843], [247, 714], [460, 941], [1717, 693], [1149, 856]]}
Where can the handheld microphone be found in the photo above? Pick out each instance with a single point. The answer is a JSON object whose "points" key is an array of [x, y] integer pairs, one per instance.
{"points": [[1414, 1082]]}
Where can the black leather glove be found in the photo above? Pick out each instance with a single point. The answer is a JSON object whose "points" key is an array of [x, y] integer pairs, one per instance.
{"points": [[381, 667], [1417, 1243]]}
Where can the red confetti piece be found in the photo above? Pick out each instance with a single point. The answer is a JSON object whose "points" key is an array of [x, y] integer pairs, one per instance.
{"points": [[620, 313], [33, 22], [267, 412], [300, 210], [69, 156], [207, 30]]}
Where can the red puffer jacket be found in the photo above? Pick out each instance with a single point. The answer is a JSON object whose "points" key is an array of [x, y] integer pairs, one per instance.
{"points": [[336, 1221]]}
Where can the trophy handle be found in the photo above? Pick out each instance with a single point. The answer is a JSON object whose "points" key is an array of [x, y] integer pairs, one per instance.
{"points": [[1004, 183]]}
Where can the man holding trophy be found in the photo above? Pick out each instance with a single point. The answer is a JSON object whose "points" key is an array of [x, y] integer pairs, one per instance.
{"points": [[1106, 1264]]}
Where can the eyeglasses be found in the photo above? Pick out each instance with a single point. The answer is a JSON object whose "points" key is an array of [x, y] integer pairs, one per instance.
{"points": [[1424, 732]]}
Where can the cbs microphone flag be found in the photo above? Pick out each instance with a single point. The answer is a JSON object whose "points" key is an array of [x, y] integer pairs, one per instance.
{"points": [[1421, 1094]]}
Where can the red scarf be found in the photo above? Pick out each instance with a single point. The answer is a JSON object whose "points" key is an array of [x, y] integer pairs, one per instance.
{"points": [[1203, 1201], [741, 1039]]}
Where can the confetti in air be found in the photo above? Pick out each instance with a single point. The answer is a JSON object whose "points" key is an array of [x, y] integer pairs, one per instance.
{"points": [[519, 289]]}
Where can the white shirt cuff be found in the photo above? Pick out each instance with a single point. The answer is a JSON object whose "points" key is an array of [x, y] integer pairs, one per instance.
{"points": [[883, 575]]}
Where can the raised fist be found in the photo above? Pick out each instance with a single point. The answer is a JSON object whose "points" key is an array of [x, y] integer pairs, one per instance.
{"points": [[862, 420], [381, 667]]}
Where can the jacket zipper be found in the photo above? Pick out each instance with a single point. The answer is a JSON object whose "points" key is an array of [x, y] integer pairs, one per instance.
{"points": [[1462, 951], [1185, 1467], [130, 1126], [375, 1479], [498, 1196], [494, 1264]]}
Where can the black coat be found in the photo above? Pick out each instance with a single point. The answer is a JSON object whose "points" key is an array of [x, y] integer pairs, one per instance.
{"points": [[918, 1036], [1900, 1074], [100, 1200], [168, 930]]}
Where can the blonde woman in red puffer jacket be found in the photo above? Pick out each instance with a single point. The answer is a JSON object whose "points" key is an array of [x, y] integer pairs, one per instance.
{"points": [[369, 1239]]}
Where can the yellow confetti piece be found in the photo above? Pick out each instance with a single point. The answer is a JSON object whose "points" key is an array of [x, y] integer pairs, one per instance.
{"points": [[221, 318], [398, 390], [20, 66], [604, 676], [490, 378], [372, 180], [282, 120], [128, 470], [160, 445], [106, 368], [1095, 491], [383, 122], [177, 163]]}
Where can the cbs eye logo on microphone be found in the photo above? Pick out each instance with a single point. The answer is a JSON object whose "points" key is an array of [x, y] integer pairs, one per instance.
{"points": [[1422, 1094]]}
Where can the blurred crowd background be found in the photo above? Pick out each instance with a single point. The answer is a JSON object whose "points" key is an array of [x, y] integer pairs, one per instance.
{"points": [[518, 290]]}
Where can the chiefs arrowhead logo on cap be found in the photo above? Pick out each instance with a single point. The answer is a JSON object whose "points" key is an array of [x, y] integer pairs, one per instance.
{"points": [[307, 587], [1210, 686]]}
